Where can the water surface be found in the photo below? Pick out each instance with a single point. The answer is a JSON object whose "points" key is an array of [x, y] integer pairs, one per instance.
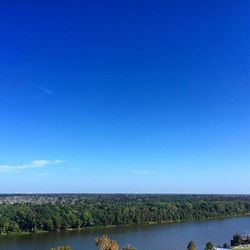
{"points": [[150, 237]]}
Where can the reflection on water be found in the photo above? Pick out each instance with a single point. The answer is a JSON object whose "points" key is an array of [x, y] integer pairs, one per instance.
{"points": [[151, 237]]}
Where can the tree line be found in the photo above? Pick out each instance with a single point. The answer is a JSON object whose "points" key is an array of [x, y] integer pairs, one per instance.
{"points": [[117, 210]]}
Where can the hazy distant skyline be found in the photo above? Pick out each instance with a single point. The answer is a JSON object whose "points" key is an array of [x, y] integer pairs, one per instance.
{"points": [[125, 96]]}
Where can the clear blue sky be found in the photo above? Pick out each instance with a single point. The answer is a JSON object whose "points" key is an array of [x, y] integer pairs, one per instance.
{"points": [[125, 96]]}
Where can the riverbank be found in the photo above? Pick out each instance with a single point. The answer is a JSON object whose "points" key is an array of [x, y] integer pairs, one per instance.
{"points": [[103, 227], [143, 237]]}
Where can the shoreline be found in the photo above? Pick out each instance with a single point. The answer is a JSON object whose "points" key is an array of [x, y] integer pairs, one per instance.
{"points": [[93, 228]]}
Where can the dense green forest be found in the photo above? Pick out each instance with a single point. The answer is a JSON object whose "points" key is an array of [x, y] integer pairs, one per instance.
{"points": [[102, 210]]}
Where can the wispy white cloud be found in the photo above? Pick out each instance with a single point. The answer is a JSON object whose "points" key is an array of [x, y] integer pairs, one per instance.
{"points": [[45, 90], [142, 171], [34, 164]]}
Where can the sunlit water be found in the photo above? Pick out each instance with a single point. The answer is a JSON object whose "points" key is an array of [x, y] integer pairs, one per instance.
{"points": [[151, 237]]}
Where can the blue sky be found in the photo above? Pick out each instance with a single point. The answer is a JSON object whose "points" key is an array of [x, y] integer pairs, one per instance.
{"points": [[125, 96]]}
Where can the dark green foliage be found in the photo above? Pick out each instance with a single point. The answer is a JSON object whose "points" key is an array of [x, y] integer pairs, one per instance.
{"points": [[102, 210], [209, 246], [237, 239], [225, 245]]}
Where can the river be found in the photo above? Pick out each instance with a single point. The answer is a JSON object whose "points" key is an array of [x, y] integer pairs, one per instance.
{"points": [[150, 237]]}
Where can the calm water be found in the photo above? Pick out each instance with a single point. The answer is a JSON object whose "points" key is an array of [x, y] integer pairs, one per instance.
{"points": [[153, 237]]}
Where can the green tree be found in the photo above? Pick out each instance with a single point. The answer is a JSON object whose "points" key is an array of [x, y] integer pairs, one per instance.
{"points": [[237, 239], [191, 246], [225, 245], [209, 246], [105, 243]]}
